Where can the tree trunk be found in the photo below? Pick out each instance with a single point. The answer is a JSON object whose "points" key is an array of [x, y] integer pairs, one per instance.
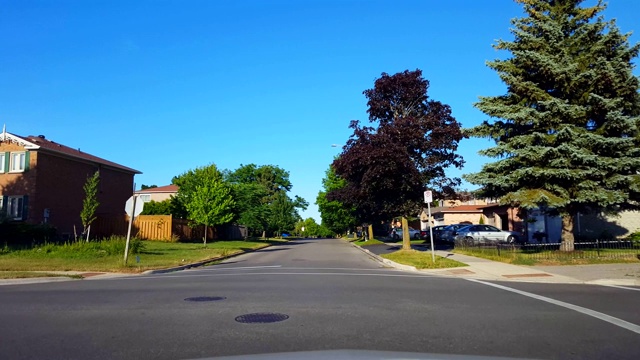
{"points": [[406, 237], [205, 236], [370, 230], [567, 233]]}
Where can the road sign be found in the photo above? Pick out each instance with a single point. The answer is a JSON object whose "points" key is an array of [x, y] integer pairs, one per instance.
{"points": [[128, 206], [428, 196], [133, 207]]}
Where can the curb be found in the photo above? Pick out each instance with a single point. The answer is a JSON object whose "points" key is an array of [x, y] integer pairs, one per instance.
{"points": [[615, 282], [439, 273], [38, 280], [199, 263], [386, 261]]}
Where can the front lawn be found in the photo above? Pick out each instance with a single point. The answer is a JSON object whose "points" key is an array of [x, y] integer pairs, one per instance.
{"points": [[552, 257], [421, 259], [107, 256], [368, 242]]}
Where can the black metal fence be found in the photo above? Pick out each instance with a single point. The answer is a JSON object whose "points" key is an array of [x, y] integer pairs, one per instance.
{"points": [[612, 249]]}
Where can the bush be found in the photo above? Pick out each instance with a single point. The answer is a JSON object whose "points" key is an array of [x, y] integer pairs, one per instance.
{"points": [[112, 246], [17, 233], [634, 237]]}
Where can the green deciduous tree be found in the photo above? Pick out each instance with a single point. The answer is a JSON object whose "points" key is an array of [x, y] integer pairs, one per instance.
{"points": [[311, 229], [206, 196], [251, 209], [284, 212], [164, 207], [90, 203], [336, 216], [262, 203], [566, 131]]}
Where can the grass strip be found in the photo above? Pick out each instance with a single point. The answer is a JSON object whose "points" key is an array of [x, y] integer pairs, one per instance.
{"points": [[92, 257], [550, 258], [368, 242], [421, 259], [32, 274]]}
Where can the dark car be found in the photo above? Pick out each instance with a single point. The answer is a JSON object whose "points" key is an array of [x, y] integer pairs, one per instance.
{"points": [[437, 232], [449, 233]]}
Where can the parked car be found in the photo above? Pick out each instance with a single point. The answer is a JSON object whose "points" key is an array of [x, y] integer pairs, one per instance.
{"points": [[486, 234], [449, 233], [437, 232], [396, 233]]}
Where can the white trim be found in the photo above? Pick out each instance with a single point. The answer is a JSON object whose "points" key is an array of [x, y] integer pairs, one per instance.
{"points": [[20, 207], [12, 162], [2, 161], [8, 137]]}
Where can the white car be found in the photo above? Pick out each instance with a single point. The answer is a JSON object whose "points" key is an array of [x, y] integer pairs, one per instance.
{"points": [[486, 234], [413, 233]]}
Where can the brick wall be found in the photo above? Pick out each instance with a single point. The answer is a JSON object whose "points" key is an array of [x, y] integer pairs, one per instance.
{"points": [[59, 189], [600, 226], [22, 183], [457, 218]]}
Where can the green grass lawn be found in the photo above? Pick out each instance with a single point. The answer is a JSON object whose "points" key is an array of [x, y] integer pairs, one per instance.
{"points": [[421, 259], [368, 242], [108, 256], [553, 257]]}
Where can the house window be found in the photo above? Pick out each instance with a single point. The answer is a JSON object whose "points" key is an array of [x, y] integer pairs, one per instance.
{"points": [[2, 162], [17, 162], [145, 197], [15, 207]]}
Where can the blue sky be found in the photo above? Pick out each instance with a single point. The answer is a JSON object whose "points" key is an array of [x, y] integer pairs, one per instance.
{"points": [[166, 86]]}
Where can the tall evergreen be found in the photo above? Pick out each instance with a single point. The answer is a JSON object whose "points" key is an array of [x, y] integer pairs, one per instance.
{"points": [[566, 131]]}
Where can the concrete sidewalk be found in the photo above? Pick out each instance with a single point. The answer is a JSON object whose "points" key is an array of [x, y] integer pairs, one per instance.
{"points": [[483, 269]]}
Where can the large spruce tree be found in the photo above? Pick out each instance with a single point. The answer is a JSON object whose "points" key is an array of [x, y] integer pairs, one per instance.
{"points": [[566, 131]]}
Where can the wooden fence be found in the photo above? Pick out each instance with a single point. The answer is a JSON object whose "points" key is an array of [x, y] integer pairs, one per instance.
{"points": [[163, 228], [183, 231]]}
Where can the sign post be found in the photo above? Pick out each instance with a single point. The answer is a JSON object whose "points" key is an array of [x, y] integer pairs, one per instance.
{"points": [[133, 209], [428, 198]]}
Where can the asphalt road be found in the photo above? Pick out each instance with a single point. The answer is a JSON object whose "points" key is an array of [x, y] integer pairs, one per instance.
{"points": [[335, 296]]}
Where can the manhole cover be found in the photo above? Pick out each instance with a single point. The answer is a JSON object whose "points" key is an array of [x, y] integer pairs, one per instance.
{"points": [[205, 298], [261, 318]]}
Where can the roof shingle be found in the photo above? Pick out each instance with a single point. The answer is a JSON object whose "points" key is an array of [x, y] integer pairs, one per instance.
{"points": [[48, 145]]}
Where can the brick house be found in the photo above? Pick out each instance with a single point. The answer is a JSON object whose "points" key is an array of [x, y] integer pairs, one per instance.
{"points": [[42, 181], [500, 216]]}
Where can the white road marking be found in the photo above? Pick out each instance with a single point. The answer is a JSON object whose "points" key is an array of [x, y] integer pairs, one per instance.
{"points": [[219, 267], [598, 315], [237, 268], [160, 276], [623, 287]]}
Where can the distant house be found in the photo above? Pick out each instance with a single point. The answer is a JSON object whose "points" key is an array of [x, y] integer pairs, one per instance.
{"points": [[42, 181], [586, 226], [491, 213], [158, 193]]}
